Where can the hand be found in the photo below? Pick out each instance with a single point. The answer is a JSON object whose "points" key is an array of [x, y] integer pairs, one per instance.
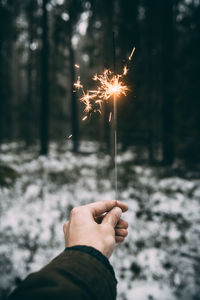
{"points": [[97, 225]]}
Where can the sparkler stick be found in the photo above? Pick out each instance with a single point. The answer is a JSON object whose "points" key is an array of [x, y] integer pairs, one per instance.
{"points": [[109, 85], [115, 121]]}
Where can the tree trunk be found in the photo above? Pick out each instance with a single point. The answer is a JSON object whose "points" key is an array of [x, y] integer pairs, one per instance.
{"points": [[150, 17], [29, 91], [129, 37], [2, 103], [168, 101], [74, 108], [108, 28], [44, 127]]}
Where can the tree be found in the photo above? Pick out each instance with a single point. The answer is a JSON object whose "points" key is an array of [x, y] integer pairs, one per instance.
{"points": [[167, 83], [44, 117], [5, 71], [28, 111], [74, 105], [128, 37], [74, 9]]}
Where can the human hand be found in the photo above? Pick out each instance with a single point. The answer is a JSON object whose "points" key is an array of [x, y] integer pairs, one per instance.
{"points": [[97, 225]]}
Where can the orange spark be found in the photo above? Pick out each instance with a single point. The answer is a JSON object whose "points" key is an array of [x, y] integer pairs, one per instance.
{"points": [[78, 84], [125, 71], [108, 84], [130, 57], [110, 117]]}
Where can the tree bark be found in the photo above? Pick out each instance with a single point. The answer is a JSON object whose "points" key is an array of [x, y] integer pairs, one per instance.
{"points": [[74, 106], [44, 127], [150, 115], [168, 101], [29, 90]]}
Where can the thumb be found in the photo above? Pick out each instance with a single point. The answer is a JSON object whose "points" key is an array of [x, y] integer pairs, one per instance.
{"points": [[112, 217], [66, 227]]}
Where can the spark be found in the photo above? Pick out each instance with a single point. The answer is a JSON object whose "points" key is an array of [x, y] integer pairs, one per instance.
{"points": [[77, 66], [78, 84], [110, 117], [107, 85], [84, 118], [70, 136], [125, 71], [132, 52]]}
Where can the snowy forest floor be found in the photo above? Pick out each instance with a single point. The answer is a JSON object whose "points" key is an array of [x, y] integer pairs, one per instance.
{"points": [[160, 259]]}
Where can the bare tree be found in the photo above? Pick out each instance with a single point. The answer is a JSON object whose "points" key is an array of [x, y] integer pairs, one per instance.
{"points": [[44, 125], [167, 64]]}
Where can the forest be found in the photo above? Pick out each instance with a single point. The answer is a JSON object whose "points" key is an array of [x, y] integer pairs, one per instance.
{"points": [[55, 155], [41, 41]]}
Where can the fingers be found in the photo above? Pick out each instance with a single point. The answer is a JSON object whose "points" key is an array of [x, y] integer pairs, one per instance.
{"points": [[123, 206], [119, 239], [103, 206], [121, 232], [122, 224], [112, 217], [120, 235]]}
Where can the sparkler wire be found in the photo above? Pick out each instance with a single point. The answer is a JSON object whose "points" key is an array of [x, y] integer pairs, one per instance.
{"points": [[115, 122], [109, 86]]}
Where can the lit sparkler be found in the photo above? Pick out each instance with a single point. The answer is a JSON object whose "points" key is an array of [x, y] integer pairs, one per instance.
{"points": [[109, 86]]}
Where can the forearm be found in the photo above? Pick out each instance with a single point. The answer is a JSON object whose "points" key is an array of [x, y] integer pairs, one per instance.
{"points": [[74, 274]]}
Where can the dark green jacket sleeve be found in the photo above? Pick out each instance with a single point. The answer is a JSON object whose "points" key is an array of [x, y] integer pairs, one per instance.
{"points": [[74, 274]]}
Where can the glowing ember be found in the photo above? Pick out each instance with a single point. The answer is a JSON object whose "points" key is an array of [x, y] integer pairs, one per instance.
{"points": [[125, 71], [110, 117], [78, 84], [130, 57]]}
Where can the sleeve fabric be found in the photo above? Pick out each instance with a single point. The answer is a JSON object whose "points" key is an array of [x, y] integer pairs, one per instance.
{"points": [[78, 273]]}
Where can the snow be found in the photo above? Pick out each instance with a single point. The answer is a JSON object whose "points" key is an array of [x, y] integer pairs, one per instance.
{"points": [[150, 291], [158, 260]]}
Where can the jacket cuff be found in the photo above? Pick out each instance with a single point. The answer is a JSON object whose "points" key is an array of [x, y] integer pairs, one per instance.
{"points": [[95, 253]]}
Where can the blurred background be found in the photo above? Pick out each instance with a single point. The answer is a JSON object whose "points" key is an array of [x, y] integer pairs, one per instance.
{"points": [[41, 41], [43, 173]]}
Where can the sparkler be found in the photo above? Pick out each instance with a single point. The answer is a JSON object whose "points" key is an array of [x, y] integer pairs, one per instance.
{"points": [[115, 119], [109, 86]]}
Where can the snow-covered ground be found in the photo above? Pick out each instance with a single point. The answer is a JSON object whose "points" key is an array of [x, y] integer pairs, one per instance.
{"points": [[161, 256]]}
